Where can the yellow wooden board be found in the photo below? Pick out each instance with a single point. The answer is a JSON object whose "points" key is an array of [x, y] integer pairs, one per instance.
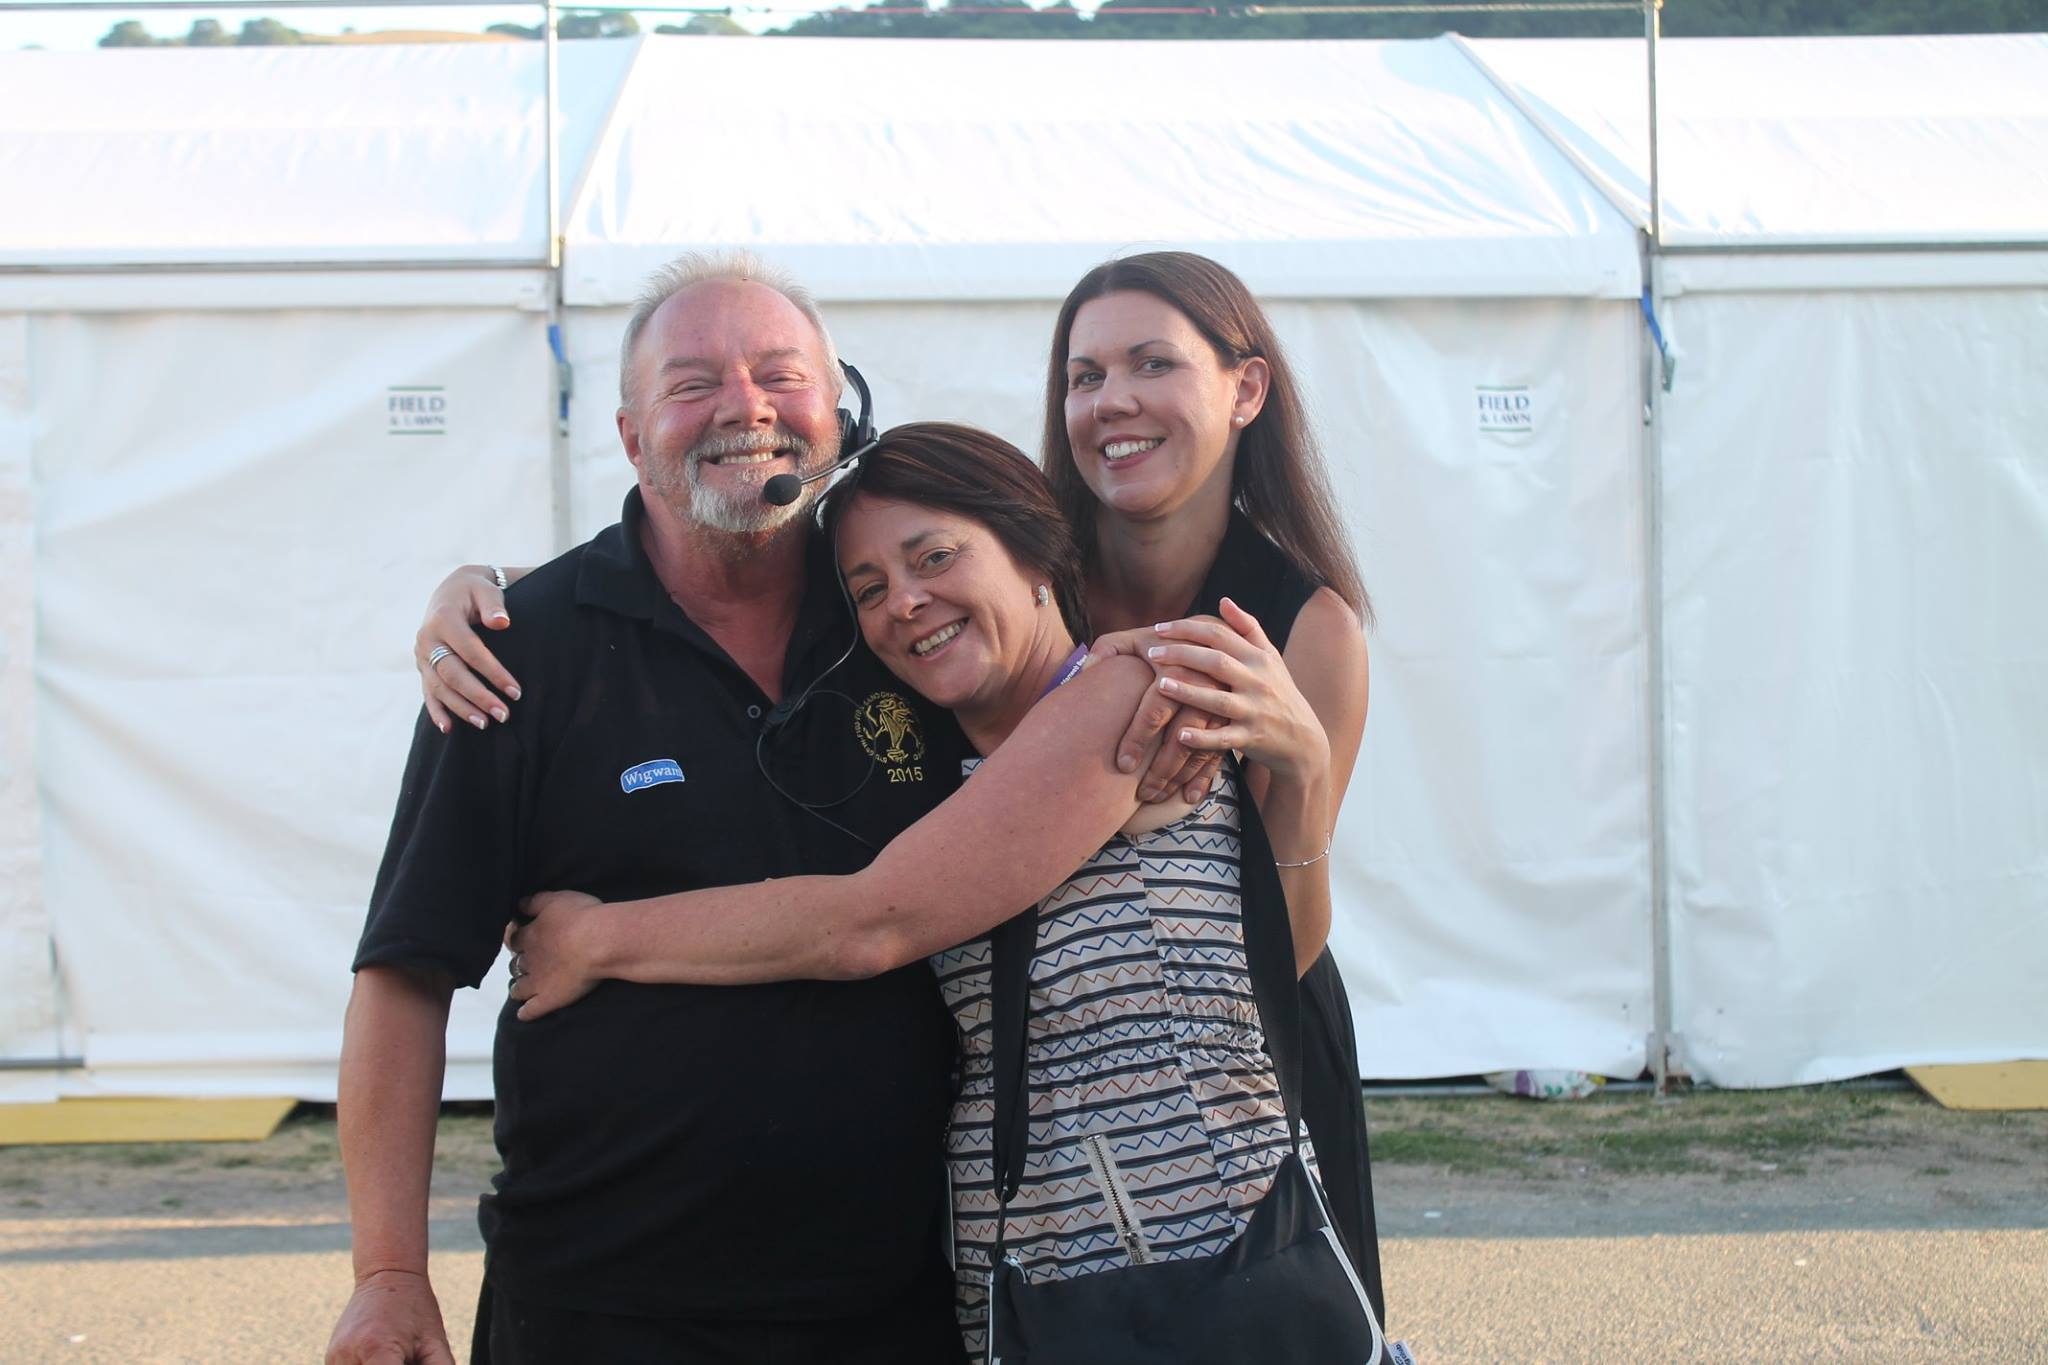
{"points": [[1985, 1085], [140, 1120]]}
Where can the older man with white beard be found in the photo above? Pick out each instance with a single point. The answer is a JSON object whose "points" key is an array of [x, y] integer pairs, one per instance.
{"points": [[689, 1174]]}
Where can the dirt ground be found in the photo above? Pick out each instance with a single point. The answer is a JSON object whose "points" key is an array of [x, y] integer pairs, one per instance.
{"points": [[1616, 1163], [1830, 1224]]}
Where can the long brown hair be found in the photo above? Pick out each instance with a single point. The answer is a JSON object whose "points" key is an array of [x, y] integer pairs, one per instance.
{"points": [[1279, 478], [980, 476]]}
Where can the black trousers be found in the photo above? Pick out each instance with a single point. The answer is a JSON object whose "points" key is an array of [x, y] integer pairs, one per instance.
{"points": [[1334, 1110], [918, 1329]]}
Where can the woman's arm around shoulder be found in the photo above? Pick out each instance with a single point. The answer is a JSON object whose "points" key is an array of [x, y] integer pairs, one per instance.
{"points": [[447, 647], [1035, 810]]}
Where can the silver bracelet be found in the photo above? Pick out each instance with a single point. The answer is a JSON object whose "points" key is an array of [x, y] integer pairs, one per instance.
{"points": [[1305, 862], [498, 577]]}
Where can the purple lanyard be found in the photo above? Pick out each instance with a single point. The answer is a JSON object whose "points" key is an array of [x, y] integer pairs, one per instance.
{"points": [[1067, 671]]}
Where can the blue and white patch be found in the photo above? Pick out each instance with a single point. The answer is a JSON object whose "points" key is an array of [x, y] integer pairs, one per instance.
{"points": [[652, 773]]}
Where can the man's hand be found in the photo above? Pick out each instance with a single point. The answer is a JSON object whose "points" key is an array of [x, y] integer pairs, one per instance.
{"points": [[1176, 765], [552, 964], [393, 1318]]}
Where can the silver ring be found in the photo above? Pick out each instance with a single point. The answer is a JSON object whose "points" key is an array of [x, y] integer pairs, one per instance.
{"points": [[438, 653], [516, 968]]}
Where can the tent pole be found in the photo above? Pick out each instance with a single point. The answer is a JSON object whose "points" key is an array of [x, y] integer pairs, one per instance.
{"points": [[1652, 31], [1662, 1041], [558, 426], [560, 487], [1657, 376], [553, 136]]}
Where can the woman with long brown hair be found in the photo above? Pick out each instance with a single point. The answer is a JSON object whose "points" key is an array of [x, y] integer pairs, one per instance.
{"points": [[1177, 444]]}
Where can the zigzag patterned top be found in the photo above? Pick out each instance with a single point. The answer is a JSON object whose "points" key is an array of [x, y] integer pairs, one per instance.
{"points": [[1155, 1119]]}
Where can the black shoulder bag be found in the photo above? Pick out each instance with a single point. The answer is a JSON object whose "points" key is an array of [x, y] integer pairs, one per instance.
{"points": [[1284, 1291]]}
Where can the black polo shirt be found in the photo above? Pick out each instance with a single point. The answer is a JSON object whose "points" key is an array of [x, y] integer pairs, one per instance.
{"points": [[769, 1151]]}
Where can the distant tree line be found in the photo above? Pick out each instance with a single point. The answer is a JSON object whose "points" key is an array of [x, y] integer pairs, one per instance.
{"points": [[1682, 19], [273, 33], [204, 33], [1142, 19]]}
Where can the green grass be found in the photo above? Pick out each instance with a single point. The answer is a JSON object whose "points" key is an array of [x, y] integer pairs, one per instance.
{"points": [[1739, 1134], [1452, 1151]]}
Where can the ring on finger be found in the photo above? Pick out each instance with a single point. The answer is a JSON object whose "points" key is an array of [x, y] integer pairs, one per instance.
{"points": [[438, 653]]}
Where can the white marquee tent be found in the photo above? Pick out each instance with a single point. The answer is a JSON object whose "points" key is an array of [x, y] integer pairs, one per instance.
{"points": [[265, 373], [1854, 500]]}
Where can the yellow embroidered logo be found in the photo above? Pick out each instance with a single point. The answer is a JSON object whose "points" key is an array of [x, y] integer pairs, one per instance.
{"points": [[887, 726]]}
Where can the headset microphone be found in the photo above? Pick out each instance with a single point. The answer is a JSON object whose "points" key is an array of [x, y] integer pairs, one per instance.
{"points": [[855, 433], [784, 489]]}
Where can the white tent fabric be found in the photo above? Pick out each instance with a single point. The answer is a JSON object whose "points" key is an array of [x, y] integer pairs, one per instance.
{"points": [[917, 170], [28, 1009], [204, 840], [224, 691], [1860, 844], [245, 156], [1803, 141], [1492, 864], [1854, 484]]}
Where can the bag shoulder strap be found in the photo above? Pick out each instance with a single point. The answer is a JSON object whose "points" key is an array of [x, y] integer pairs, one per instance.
{"points": [[1012, 946], [1269, 954]]}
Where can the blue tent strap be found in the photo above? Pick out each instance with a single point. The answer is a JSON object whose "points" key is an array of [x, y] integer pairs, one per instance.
{"points": [[1670, 363], [565, 379]]}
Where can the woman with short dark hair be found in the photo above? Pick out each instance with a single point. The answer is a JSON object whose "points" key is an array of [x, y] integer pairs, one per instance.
{"points": [[1156, 1121]]}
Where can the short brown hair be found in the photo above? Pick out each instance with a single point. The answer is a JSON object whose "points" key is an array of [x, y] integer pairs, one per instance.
{"points": [[980, 476]]}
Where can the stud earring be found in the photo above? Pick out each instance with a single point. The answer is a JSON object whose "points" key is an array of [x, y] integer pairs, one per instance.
{"points": [[1044, 595], [1237, 421]]}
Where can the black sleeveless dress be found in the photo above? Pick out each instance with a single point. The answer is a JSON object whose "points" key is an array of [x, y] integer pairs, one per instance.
{"points": [[1252, 572]]}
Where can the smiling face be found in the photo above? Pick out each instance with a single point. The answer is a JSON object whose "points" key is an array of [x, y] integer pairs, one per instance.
{"points": [[1150, 406], [730, 386], [943, 603]]}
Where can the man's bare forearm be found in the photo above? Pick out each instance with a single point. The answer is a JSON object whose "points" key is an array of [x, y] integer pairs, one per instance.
{"points": [[393, 1055]]}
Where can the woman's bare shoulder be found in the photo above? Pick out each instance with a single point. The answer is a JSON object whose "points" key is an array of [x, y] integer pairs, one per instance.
{"points": [[1327, 637]]}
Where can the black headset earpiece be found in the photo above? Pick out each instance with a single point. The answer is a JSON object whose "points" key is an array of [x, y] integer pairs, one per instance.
{"points": [[855, 432]]}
